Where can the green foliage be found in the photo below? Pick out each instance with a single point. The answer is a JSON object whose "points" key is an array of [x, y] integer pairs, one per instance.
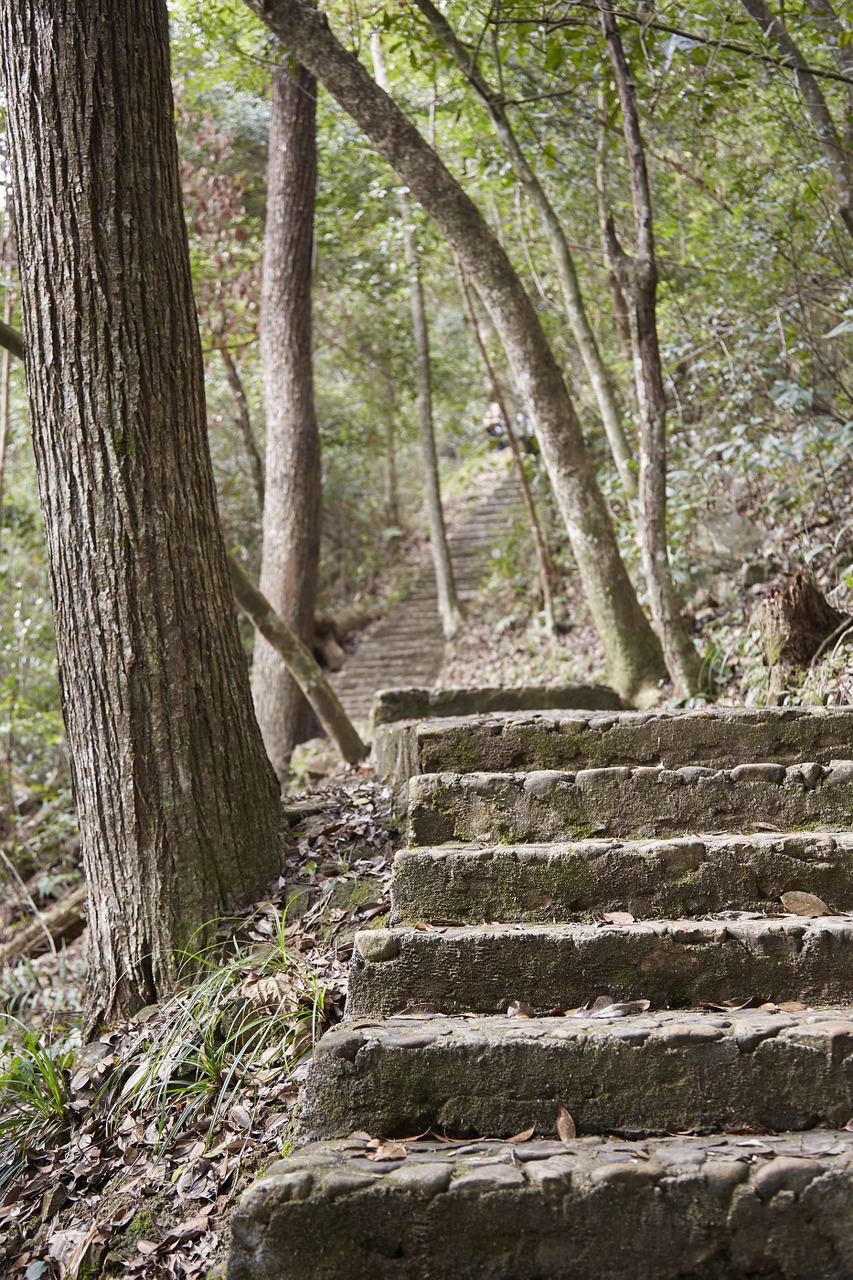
{"points": [[34, 1100]]}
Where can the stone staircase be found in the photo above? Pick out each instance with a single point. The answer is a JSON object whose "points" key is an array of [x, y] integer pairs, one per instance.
{"points": [[408, 647], [588, 924]]}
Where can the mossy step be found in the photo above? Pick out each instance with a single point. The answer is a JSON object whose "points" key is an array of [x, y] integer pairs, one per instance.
{"points": [[647, 1073], [673, 963], [724, 1208], [621, 802], [505, 740], [684, 876]]}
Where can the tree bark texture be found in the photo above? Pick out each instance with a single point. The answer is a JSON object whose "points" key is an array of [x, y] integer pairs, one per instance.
{"points": [[834, 142], [448, 603], [631, 648], [300, 662], [639, 279], [179, 810], [794, 624], [596, 368], [293, 494]]}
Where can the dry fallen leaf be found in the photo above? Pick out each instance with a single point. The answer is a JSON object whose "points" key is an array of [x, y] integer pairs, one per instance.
{"points": [[792, 1006], [518, 1009], [566, 1129], [849, 1126], [360, 1133], [620, 1009], [388, 1151], [524, 1136], [804, 904], [617, 917]]}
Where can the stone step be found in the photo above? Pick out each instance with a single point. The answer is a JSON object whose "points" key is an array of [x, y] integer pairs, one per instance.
{"points": [[722, 1208], [672, 963], [647, 1073], [546, 739], [685, 876], [679, 877], [621, 802]]}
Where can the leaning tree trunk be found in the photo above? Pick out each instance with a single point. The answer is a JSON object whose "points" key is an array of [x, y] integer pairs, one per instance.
{"points": [[448, 603], [293, 493], [631, 648], [552, 227], [179, 811], [639, 279]]}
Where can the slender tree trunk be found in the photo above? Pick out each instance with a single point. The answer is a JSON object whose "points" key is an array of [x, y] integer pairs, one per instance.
{"points": [[300, 662], [293, 500], [179, 810], [632, 652], [244, 421], [448, 603], [5, 360], [596, 368], [620, 306], [839, 159], [391, 504], [639, 283], [543, 557]]}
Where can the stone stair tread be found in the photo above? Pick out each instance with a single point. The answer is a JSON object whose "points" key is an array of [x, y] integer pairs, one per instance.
{"points": [[670, 962], [555, 739], [647, 1072], [553, 804], [720, 1208], [683, 875]]}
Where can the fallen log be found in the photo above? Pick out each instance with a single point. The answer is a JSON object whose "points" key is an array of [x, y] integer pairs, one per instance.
{"points": [[60, 923]]}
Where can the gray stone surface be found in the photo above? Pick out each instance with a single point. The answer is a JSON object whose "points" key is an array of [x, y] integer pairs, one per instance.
{"points": [[393, 705], [560, 882], [642, 802], [658, 1072], [725, 1208], [712, 737], [673, 963]]}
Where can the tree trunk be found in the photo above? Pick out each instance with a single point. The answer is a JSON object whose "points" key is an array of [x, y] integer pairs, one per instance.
{"points": [[253, 456], [300, 662], [794, 624], [597, 371], [631, 648], [639, 283], [180, 819], [293, 497], [543, 558], [620, 306], [839, 159], [448, 603], [5, 259]]}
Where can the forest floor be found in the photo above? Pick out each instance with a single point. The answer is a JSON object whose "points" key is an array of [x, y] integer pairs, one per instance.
{"points": [[146, 1138]]}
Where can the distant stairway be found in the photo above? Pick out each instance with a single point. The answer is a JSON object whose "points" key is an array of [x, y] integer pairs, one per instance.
{"points": [[407, 648]]}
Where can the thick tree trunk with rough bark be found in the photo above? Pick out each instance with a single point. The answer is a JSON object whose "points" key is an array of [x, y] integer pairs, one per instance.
{"points": [[448, 604], [631, 648], [179, 811], [639, 278], [293, 493], [597, 371]]}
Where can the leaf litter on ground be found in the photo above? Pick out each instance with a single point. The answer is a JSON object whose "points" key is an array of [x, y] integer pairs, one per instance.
{"points": [[142, 1185]]}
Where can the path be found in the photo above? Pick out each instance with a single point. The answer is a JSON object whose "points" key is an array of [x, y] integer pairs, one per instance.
{"points": [[407, 648], [663, 995]]}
